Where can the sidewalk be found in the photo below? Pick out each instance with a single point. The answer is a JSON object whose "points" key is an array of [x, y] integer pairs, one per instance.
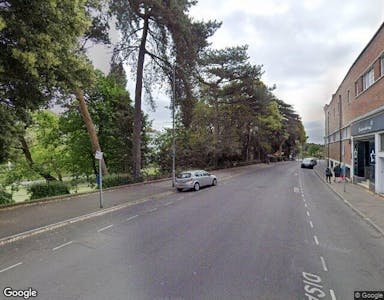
{"points": [[19, 219], [368, 205]]}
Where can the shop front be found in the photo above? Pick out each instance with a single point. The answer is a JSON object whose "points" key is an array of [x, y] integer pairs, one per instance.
{"points": [[368, 153]]}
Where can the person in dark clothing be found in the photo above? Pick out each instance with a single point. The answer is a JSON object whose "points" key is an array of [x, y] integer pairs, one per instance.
{"points": [[328, 174], [337, 171]]}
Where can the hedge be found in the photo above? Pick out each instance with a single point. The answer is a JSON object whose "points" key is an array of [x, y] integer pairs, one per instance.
{"points": [[42, 190], [116, 180], [5, 198]]}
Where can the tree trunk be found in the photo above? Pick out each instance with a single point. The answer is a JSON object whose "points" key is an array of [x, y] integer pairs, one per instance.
{"points": [[91, 129], [216, 131], [137, 122], [248, 141], [187, 105], [31, 163]]}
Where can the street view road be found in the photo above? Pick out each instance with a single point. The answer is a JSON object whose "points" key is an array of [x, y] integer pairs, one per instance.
{"points": [[273, 232]]}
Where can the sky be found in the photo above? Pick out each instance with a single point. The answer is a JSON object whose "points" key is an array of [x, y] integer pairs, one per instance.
{"points": [[305, 47]]}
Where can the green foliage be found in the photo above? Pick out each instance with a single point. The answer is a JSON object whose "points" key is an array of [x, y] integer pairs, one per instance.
{"points": [[42, 190], [5, 198], [314, 150], [111, 110], [116, 180]]}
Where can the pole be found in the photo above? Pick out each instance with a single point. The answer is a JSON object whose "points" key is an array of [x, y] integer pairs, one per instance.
{"points": [[328, 140], [173, 127], [100, 185], [344, 170]]}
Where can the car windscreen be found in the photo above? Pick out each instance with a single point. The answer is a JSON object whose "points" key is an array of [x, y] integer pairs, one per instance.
{"points": [[184, 175], [307, 160]]}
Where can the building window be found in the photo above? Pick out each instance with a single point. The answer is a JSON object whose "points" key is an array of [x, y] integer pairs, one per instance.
{"points": [[382, 142], [368, 79], [348, 97], [356, 88], [382, 66]]}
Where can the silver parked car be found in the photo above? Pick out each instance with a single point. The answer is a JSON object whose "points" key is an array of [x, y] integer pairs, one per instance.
{"points": [[309, 162], [194, 180]]}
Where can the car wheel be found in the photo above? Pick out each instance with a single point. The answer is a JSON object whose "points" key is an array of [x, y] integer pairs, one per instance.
{"points": [[214, 182], [179, 190], [196, 187]]}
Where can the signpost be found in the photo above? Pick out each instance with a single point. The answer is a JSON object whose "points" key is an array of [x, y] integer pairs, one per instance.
{"points": [[99, 157]]}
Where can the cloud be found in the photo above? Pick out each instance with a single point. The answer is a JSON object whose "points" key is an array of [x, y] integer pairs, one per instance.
{"points": [[306, 47], [315, 131]]}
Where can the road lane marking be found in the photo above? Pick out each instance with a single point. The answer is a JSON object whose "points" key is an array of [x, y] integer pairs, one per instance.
{"points": [[305, 205], [308, 214], [316, 240], [62, 245], [332, 294], [104, 228], [131, 218], [313, 286], [180, 198], [152, 210], [323, 263], [310, 223], [296, 190], [50, 227], [11, 267], [168, 203]]}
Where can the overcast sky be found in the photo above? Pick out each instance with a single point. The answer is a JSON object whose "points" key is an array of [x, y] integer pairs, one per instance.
{"points": [[305, 46]]}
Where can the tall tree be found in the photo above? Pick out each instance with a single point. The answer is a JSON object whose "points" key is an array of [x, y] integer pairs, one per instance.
{"points": [[223, 73], [155, 29], [40, 53]]}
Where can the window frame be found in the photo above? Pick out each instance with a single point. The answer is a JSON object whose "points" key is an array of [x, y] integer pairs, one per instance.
{"points": [[382, 65], [368, 78]]}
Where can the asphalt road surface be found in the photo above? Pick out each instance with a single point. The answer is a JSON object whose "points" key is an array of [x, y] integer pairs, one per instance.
{"points": [[275, 232]]}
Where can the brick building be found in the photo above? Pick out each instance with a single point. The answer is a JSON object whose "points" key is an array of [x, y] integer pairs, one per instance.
{"points": [[354, 118]]}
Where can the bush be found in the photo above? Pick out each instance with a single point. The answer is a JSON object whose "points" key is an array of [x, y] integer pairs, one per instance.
{"points": [[42, 190], [116, 180], [5, 198]]}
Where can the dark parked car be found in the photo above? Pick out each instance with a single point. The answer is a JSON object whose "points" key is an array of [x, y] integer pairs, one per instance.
{"points": [[308, 163]]}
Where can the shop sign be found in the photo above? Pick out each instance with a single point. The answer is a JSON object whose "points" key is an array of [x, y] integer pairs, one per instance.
{"points": [[368, 125]]}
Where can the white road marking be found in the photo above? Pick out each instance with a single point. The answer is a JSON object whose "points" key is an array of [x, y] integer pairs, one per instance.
{"points": [[152, 210], [168, 203], [310, 223], [323, 263], [313, 287], [332, 294], [180, 198], [308, 214], [61, 246], [11, 267], [296, 190], [316, 240], [104, 228], [305, 205], [131, 218]]}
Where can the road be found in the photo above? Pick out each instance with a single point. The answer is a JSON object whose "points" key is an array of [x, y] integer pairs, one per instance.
{"points": [[275, 232]]}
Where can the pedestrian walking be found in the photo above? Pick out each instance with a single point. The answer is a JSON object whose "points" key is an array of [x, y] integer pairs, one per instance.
{"points": [[328, 175], [337, 171]]}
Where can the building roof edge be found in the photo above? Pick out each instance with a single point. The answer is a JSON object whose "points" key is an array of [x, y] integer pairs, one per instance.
{"points": [[358, 57]]}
